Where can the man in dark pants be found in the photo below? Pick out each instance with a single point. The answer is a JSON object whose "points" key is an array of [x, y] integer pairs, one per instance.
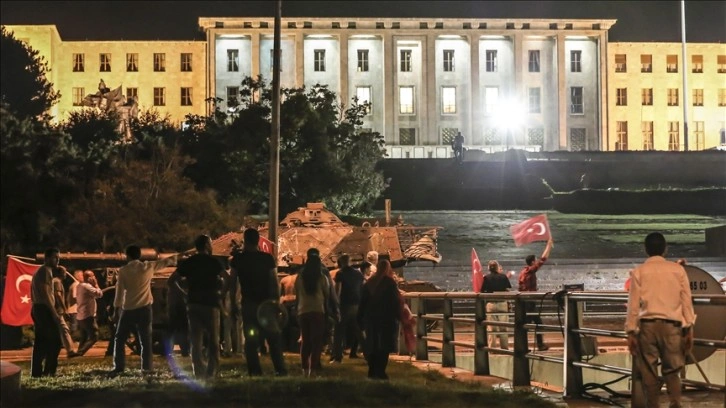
{"points": [[46, 320], [257, 274], [348, 283], [528, 283], [178, 331], [497, 281]]}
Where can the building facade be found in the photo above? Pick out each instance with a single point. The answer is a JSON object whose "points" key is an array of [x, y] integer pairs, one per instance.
{"points": [[537, 85]]}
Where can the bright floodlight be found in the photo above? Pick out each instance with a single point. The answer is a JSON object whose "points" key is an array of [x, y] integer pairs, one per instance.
{"points": [[511, 115]]}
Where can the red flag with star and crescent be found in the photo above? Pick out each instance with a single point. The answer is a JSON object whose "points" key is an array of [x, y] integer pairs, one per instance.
{"points": [[534, 229], [16, 298], [477, 277], [266, 245]]}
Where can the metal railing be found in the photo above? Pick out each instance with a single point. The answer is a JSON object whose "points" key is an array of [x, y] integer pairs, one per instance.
{"points": [[569, 311]]}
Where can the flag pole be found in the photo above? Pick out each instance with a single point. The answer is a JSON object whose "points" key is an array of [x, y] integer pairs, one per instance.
{"points": [[685, 76]]}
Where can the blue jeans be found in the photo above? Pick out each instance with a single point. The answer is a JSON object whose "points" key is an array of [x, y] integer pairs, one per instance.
{"points": [[138, 320]]}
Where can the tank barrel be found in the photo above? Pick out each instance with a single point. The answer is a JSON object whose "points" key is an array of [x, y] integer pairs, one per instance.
{"points": [[147, 254]]}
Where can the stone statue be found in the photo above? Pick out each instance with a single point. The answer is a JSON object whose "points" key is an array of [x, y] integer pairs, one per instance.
{"points": [[108, 100]]}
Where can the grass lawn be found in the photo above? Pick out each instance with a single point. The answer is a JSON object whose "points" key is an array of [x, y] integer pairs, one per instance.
{"points": [[82, 382]]}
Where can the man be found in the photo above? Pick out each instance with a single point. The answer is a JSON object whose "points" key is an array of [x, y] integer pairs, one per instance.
{"points": [[659, 322], [528, 283], [72, 303], [348, 284], [133, 301], [257, 274], [496, 281], [59, 292], [46, 319], [332, 307], [205, 278], [458, 146], [86, 294], [231, 316], [176, 309]]}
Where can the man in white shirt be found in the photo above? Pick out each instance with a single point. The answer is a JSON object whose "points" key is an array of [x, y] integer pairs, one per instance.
{"points": [[659, 322], [133, 300], [86, 294]]}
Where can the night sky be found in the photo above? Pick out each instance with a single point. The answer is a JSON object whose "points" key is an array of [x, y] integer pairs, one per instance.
{"points": [[177, 20]]}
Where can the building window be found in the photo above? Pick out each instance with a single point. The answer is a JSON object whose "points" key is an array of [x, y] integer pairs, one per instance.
{"points": [[232, 96], [132, 93], [621, 63], [272, 60], [721, 60], [492, 137], [447, 135], [534, 100], [407, 136], [79, 62], [697, 64], [405, 100], [672, 96], [132, 62], [576, 61], [535, 137], [363, 61], [448, 100], [646, 96], [232, 60], [576, 102], [159, 62], [621, 97], [622, 136], [448, 60], [533, 60], [491, 62], [672, 63], [319, 60], [722, 97], [646, 129], [363, 93], [491, 100], [699, 135], [578, 139], [105, 63], [78, 95], [186, 62], [405, 60], [646, 63], [698, 97], [674, 137], [159, 96], [186, 97]]}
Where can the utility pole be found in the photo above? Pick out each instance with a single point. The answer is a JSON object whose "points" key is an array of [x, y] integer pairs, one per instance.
{"points": [[274, 213], [685, 76]]}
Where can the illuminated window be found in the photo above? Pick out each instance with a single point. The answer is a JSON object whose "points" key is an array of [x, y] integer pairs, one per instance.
{"points": [[697, 64], [646, 129], [78, 95], [672, 63], [319, 58], [699, 135], [534, 100], [576, 61], [159, 62], [363, 61], [79, 62], [621, 63], [672, 96], [132, 62], [405, 99], [132, 93], [105, 63], [447, 135], [186, 62], [674, 137], [622, 136], [159, 96], [646, 96], [407, 136], [448, 60], [405, 60], [363, 93], [491, 61], [232, 60], [533, 60], [576, 103], [448, 100], [491, 100], [186, 97], [578, 139], [722, 97], [721, 60], [698, 97], [272, 60], [646, 63], [621, 97], [232, 96]]}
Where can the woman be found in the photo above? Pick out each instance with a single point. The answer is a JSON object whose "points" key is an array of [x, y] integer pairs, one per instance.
{"points": [[378, 315], [311, 292]]}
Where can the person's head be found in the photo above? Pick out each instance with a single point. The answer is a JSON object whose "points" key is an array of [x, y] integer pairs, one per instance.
{"points": [[344, 261], [494, 267], [655, 244], [372, 257], [78, 274], [311, 273], [313, 253], [365, 268], [251, 238], [384, 268], [203, 244], [530, 260], [89, 277], [133, 252], [51, 257]]}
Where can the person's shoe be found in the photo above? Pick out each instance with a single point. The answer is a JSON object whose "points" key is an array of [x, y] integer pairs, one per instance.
{"points": [[336, 360], [542, 347], [113, 373], [74, 354]]}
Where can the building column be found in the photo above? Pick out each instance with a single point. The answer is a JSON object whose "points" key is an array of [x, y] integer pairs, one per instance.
{"points": [[255, 55], [429, 123], [212, 70], [562, 92], [343, 55], [475, 114], [604, 140], [520, 98], [390, 85], [299, 60]]}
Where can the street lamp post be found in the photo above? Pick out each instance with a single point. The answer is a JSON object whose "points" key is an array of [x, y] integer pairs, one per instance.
{"points": [[274, 210], [685, 76]]}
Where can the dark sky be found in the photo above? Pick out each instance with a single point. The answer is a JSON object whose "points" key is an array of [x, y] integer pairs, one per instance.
{"points": [[177, 20]]}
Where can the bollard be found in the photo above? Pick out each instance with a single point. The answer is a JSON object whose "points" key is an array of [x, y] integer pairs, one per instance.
{"points": [[481, 354]]}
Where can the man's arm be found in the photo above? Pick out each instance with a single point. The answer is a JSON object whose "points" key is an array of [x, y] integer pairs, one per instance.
{"points": [[118, 300], [274, 284], [548, 248], [631, 320], [162, 263]]}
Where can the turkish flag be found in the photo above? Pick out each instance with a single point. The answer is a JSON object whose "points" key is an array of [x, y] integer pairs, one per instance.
{"points": [[534, 229], [266, 245], [16, 299], [477, 277]]}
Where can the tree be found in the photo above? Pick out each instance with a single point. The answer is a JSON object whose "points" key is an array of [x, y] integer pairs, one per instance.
{"points": [[23, 83]]}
